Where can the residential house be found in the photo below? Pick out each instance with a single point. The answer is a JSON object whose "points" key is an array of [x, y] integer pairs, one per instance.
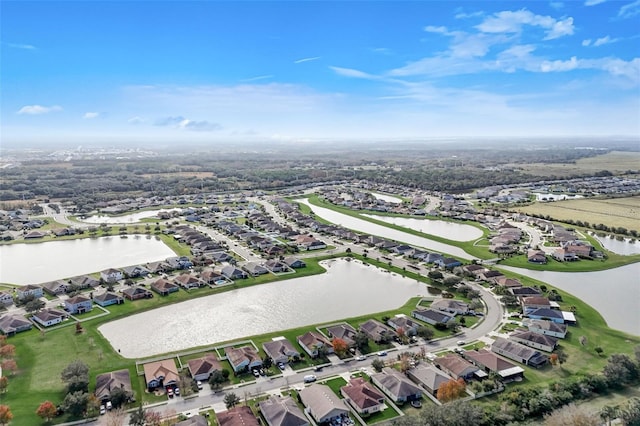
{"points": [[6, 299], [240, 415], [294, 262], [403, 322], [535, 340], [135, 271], [12, 324], [233, 273], [49, 316], [254, 269], [429, 377], [492, 363], [564, 255], [108, 298], [188, 281], [548, 328], [282, 412], [111, 275], [322, 404], [29, 290], [508, 282], [343, 331], [536, 256], [532, 303], [431, 316], [135, 293], [491, 276], [159, 374], [179, 262], [396, 385], [456, 366], [202, 368], [362, 396], [447, 262], [243, 358], [280, 350], [546, 314], [78, 304], [312, 341], [518, 352], [450, 305], [164, 287], [377, 331], [221, 257], [276, 266], [209, 276], [525, 291], [158, 267], [107, 382], [56, 288], [196, 420]]}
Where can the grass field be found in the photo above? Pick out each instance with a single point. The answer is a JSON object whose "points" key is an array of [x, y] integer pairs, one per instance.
{"points": [[616, 212], [616, 162]]}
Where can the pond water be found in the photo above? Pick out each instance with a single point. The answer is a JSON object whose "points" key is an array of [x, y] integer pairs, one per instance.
{"points": [[362, 225], [440, 228], [126, 219], [615, 293], [387, 198], [624, 247], [41, 262], [347, 289]]}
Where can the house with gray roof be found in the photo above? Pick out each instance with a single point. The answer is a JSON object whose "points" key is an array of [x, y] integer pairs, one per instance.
{"points": [[49, 316], [12, 324], [432, 316], [282, 412], [311, 341], [450, 305], [518, 352], [456, 366], [56, 288], [85, 281], [29, 290], [396, 385], [343, 331], [491, 363], [107, 382], [405, 323], [429, 377], [377, 331], [323, 404], [243, 358], [108, 298], [202, 368], [196, 420], [78, 304], [280, 350], [535, 340], [546, 327]]}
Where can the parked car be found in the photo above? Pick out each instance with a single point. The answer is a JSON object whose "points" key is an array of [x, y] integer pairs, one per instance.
{"points": [[281, 366], [256, 373], [309, 378], [318, 368], [176, 391], [199, 384], [382, 353], [461, 343], [361, 358], [109, 406], [102, 409], [170, 392]]}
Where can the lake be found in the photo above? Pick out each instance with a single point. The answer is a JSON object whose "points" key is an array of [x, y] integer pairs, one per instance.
{"points": [[347, 289], [387, 198], [440, 228], [125, 219], [362, 225], [624, 247], [41, 262]]}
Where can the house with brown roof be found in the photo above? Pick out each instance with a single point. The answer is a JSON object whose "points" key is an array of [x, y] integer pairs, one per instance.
{"points": [[396, 385], [135, 293], [531, 303], [209, 276], [491, 363], [403, 322], [240, 415], [188, 281], [84, 281], [311, 341], [243, 358], [280, 350], [107, 382], [508, 282], [29, 290], [12, 324], [196, 420], [49, 316], [429, 377], [456, 366], [343, 331], [323, 404], [56, 288], [202, 368], [282, 412], [164, 287], [78, 304], [362, 396], [161, 374]]}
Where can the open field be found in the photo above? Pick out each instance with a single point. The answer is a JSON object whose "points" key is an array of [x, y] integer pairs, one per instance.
{"points": [[616, 162], [613, 212]]}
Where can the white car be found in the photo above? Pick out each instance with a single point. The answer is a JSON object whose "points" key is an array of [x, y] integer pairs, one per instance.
{"points": [[102, 410], [109, 406], [361, 358], [199, 384]]}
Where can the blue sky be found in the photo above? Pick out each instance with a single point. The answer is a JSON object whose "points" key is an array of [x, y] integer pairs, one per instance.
{"points": [[83, 71]]}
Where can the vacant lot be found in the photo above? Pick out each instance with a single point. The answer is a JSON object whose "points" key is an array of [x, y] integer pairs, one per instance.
{"points": [[616, 162], [618, 212]]}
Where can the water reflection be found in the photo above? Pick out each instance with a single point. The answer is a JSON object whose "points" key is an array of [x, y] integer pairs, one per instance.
{"points": [[440, 228]]}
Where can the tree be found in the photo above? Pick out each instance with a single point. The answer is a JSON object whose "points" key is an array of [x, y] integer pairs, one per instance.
{"points": [[217, 378], [231, 400], [630, 414], [451, 281], [46, 411], [187, 385], [115, 417], [571, 415], [137, 417], [620, 370], [152, 418], [453, 389], [362, 341], [435, 275], [7, 351], [425, 332], [75, 402], [457, 413], [598, 350], [562, 356], [405, 362], [34, 305], [9, 365], [4, 384], [5, 414], [339, 346], [377, 365], [608, 413], [76, 376], [119, 397]]}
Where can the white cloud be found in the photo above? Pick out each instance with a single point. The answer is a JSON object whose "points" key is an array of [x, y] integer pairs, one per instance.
{"points": [[604, 40], [463, 15], [350, 72], [593, 2], [90, 115], [511, 22], [260, 77], [38, 109], [437, 30], [21, 46], [553, 66], [586, 42], [179, 122], [135, 120], [629, 10], [299, 61]]}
